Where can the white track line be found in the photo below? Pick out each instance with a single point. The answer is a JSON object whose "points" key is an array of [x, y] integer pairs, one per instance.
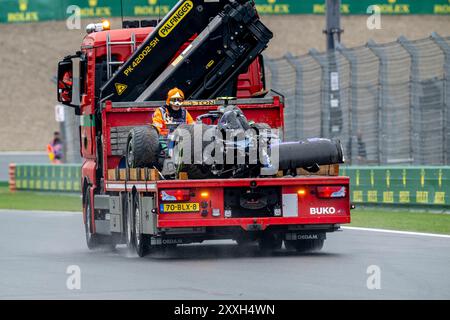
{"points": [[399, 232], [342, 227]]}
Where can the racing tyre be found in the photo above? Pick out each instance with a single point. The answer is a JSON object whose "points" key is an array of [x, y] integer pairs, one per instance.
{"points": [[142, 147], [260, 126], [194, 171]]}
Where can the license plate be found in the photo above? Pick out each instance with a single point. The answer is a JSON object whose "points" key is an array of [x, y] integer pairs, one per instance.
{"points": [[180, 207]]}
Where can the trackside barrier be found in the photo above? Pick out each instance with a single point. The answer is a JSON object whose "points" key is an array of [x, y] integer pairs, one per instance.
{"points": [[389, 185], [12, 177], [33, 177], [14, 11]]}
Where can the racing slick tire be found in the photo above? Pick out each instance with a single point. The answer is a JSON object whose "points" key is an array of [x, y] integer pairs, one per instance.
{"points": [[194, 171], [260, 126], [142, 147]]}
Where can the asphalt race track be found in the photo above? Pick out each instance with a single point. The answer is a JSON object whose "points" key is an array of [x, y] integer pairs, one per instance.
{"points": [[36, 248]]}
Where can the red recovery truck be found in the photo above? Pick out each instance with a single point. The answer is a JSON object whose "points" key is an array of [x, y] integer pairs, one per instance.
{"points": [[123, 76]]}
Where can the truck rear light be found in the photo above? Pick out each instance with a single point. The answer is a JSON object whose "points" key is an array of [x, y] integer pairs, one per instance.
{"points": [[174, 195], [204, 194], [301, 192], [331, 192]]}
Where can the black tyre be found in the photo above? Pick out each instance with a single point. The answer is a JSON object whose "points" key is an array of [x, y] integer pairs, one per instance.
{"points": [[143, 147], [312, 245], [139, 242], [270, 242], [194, 171], [265, 135], [260, 126], [244, 242], [92, 240], [289, 244]]}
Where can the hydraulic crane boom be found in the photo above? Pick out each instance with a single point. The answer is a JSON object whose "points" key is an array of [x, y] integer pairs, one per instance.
{"points": [[185, 20], [226, 47]]}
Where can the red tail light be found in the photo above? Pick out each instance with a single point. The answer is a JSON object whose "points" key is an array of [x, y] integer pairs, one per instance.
{"points": [[331, 192], [174, 195]]}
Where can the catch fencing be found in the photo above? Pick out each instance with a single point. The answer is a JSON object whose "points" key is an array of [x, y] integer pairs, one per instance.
{"points": [[387, 103]]}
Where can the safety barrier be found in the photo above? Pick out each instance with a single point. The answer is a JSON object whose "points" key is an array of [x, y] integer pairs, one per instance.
{"points": [[12, 11], [12, 177], [413, 186], [32, 177], [389, 185]]}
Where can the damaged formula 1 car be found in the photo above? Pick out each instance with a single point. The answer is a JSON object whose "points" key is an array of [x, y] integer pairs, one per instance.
{"points": [[233, 147]]}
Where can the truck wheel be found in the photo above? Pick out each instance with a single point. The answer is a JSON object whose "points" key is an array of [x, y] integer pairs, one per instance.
{"points": [[270, 242], [92, 239], [142, 147], [242, 242], [289, 244], [140, 243], [312, 245]]}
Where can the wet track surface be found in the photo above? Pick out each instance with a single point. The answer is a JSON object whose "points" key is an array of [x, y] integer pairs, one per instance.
{"points": [[37, 248]]}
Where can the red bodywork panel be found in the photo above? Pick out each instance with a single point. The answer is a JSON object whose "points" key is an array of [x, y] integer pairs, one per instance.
{"points": [[290, 186], [302, 215]]}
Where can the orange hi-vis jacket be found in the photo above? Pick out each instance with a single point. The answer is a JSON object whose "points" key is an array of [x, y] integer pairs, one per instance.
{"points": [[165, 123]]}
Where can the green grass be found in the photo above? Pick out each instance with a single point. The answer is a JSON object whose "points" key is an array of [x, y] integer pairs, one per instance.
{"points": [[29, 200], [401, 220]]}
